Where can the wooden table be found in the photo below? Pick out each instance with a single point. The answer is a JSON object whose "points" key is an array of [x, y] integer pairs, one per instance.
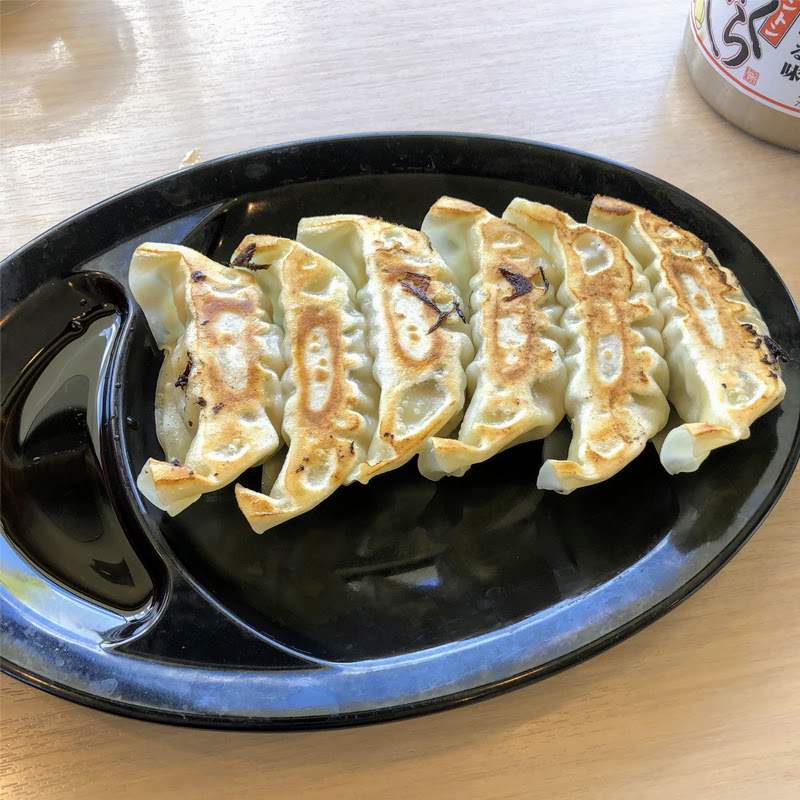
{"points": [[99, 96]]}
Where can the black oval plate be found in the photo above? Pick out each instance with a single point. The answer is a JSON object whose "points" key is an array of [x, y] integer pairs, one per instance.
{"points": [[388, 600]]}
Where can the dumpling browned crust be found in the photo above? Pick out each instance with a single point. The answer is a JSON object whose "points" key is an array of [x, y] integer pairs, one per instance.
{"points": [[417, 332], [218, 398], [617, 378], [331, 396], [517, 381], [724, 367]]}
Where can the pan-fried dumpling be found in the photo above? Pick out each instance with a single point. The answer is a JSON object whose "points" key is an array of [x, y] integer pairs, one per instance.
{"points": [[218, 398], [617, 378], [517, 381], [417, 331], [331, 396], [724, 370]]}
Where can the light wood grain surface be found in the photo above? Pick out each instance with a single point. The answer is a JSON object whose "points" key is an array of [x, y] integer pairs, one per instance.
{"points": [[98, 96]]}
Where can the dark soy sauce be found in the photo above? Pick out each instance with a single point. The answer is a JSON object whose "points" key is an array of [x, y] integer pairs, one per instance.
{"points": [[56, 508]]}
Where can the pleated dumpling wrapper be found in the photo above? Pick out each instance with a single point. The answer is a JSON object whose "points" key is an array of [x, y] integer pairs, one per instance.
{"points": [[517, 381], [724, 370], [331, 397], [617, 377], [418, 335], [219, 403]]}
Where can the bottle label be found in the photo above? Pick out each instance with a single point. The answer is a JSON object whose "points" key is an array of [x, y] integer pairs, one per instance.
{"points": [[755, 45]]}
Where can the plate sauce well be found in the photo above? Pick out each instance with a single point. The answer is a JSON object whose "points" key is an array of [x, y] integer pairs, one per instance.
{"points": [[56, 508]]}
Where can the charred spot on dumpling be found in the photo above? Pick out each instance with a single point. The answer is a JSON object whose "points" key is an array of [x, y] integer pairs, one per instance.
{"points": [[414, 288], [183, 378], [419, 291], [776, 351], [198, 276], [243, 259], [443, 315], [704, 248], [201, 401], [217, 408], [174, 462], [544, 279], [519, 283], [750, 329], [717, 270], [418, 284], [418, 279]]}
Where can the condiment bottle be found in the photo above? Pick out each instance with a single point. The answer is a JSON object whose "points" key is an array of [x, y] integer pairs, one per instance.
{"points": [[744, 58]]}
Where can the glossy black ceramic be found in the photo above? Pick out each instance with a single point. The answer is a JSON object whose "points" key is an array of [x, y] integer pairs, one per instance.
{"points": [[388, 600]]}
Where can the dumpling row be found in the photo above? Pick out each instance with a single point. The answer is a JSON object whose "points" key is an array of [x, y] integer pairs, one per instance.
{"points": [[372, 353], [724, 367], [361, 341]]}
